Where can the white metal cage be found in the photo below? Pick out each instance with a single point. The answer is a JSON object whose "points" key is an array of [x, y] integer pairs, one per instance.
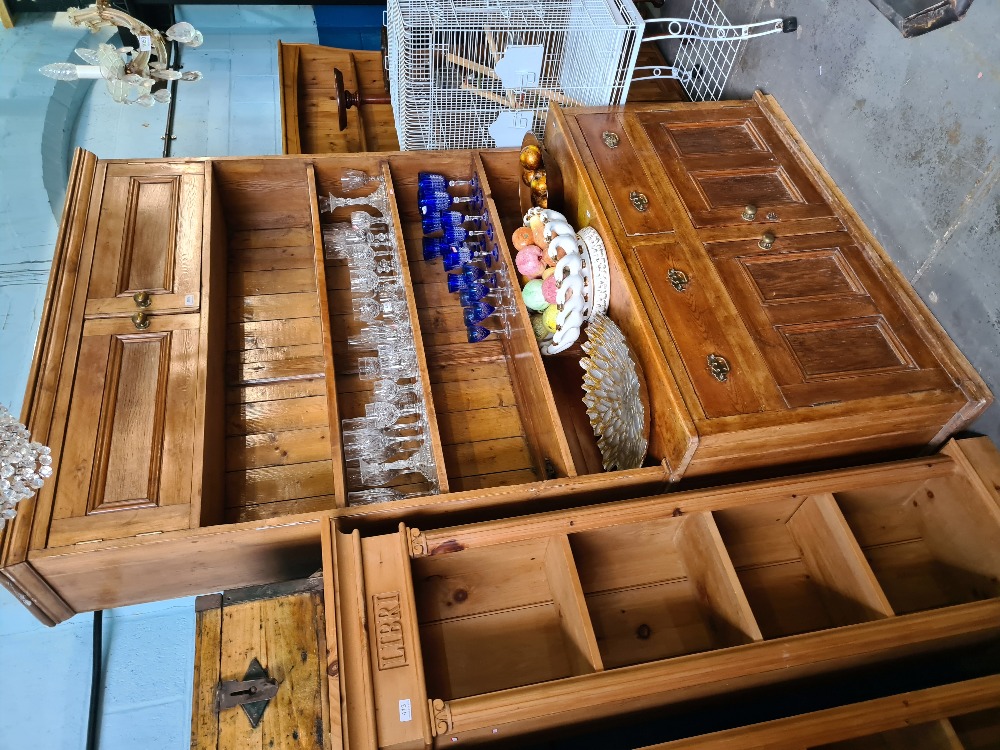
{"points": [[453, 83], [710, 45]]}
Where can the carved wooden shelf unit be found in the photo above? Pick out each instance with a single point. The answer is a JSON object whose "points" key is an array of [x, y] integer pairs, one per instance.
{"points": [[203, 452], [504, 628]]}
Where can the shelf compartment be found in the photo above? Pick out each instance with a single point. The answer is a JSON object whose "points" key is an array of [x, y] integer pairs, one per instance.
{"points": [[931, 544], [278, 448], [932, 735], [515, 611], [661, 589], [353, 392], [800, 566], [481, 385], [979, 730]]}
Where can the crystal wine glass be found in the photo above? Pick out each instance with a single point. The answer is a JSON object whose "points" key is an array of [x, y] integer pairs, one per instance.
{"points": [[354, 179]]}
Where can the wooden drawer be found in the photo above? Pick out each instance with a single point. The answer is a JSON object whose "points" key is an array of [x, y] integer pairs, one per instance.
{"points": [[637, 203], [529, 624], [723, 157], [707, 331], [148, 239]]}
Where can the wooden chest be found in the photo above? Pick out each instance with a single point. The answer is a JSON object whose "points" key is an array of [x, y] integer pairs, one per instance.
{"points": [[192, 369], [505, 628]]}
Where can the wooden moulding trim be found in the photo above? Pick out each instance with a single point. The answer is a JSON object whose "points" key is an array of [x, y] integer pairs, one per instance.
{"points": [[208, 495], [411, 306], [330, 374], [680, 503], [29, 588], [552, 491], [358, 715], [542, 420], [331, 603], [681, 435], [852, 721], [207, 668], [653, 683], [948, 354], [38, 408], [413, 624], [288, 87]]}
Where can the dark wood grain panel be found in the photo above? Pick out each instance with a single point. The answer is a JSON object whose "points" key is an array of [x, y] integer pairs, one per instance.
{"points": [[723, 159], [622, 173]]}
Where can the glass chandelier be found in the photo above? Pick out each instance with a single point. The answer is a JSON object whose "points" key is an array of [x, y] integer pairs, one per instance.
{"points": [[24, 465], [129, 74]]}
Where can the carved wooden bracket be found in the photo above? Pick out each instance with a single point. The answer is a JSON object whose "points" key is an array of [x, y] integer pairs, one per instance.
{"points": [[441, 714]]}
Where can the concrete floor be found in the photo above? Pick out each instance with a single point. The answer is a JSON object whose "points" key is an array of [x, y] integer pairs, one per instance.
{"points": [[910, 131]]}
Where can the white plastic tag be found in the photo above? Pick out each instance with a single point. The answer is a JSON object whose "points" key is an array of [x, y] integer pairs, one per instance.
{"points": [[521, 66], [510, 126], [405, 711], [145, 43]]}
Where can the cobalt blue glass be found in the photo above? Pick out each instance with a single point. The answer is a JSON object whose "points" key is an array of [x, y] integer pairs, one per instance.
{"points": [[478, 312], [431, 181], [434, 247], [477, 333], [431, 223], [472, 273], [470, 293], [436, 200], [456, 255]]}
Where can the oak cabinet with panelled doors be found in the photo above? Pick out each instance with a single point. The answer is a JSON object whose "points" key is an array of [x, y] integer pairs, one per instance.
{"points": [[784, 332], [196, 353]]}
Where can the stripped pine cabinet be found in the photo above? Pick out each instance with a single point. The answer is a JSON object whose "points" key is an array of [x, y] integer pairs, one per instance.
{"points": [[499, 630], [194, 367]]}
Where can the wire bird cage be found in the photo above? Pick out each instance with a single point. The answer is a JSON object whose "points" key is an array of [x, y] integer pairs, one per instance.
{"points": [[481, 73], [709, 47]]}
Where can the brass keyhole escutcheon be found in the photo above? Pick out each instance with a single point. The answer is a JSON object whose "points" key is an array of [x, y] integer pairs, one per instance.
{"points": [[639, 201], [719, 367], [678, 279], [766, 241], [749, 212], [141, 320], [611, 140], [142, 299]]}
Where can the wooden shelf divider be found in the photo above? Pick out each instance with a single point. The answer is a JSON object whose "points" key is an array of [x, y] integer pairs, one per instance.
{"points": [[319, 264]]}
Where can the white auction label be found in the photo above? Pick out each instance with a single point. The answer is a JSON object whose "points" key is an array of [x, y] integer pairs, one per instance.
{"points": [[405, 711], [145, 43]]}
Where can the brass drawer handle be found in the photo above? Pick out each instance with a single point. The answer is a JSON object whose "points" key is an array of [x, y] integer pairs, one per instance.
{"points": [[142, 299], [749, 212], [611, 140], [141, 320], [719, 367], [639, 201], [766, 241], [678, 279]]}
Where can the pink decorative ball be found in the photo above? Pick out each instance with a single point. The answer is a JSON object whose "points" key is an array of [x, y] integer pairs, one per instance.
{"points": [[529, 261], [549, 290]]}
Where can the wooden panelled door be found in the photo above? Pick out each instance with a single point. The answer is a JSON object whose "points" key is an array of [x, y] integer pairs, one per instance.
{"points": [[826, 324], [127, 463], [722, 159], [148, 239]]}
